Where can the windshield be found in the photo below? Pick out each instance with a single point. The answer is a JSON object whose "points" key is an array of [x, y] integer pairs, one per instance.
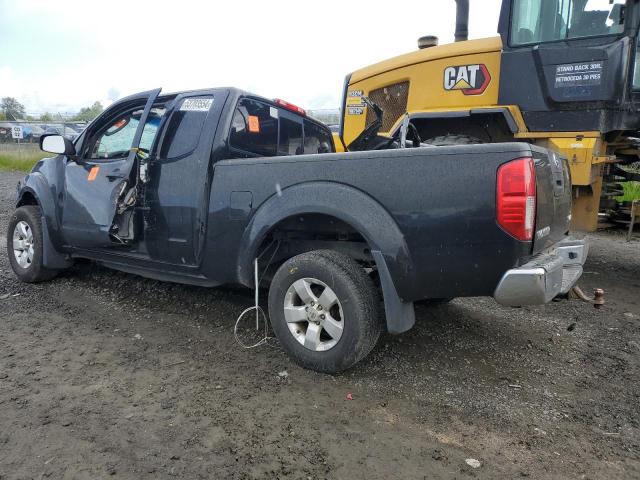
{"points": [[116, 139], [537, 21]]}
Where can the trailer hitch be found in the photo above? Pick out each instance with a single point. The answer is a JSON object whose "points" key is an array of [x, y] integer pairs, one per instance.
{"points": [[597, 300]]}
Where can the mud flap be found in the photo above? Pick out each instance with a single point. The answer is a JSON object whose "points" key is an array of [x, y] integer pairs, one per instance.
{"points": [[51, 258], [400, 315]]}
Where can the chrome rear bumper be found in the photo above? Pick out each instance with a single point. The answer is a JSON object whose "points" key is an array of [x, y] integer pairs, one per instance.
{"points": [[544, 277]]}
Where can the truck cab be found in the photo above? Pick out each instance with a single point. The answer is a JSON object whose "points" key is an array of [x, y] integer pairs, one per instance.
{"points": [[145, 166]]}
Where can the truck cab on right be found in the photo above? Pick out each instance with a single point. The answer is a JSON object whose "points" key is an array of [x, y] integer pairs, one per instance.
{"points": [[562, 74]]}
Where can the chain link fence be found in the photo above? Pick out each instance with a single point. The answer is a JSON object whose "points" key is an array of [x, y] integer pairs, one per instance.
{"points": [[29, 132]]}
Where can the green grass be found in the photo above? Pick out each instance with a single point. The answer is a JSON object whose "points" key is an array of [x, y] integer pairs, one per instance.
{"points": [[631, 189], [631, 192], [20, 161]]}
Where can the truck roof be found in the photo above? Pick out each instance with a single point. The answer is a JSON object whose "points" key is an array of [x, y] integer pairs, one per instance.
{"points": [[234, 94]]}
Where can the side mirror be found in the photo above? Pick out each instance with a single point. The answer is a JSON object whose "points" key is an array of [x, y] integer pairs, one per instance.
{"points": [[57, 144]]}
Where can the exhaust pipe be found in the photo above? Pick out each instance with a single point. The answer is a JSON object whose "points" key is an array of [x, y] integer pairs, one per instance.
{"points": [[462, 20]]}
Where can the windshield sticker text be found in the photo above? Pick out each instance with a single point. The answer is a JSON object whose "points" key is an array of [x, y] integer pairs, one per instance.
{"points": [[196, 105]]}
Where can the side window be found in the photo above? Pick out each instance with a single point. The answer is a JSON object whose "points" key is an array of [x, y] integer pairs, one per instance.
{"points": [[316, 138], [151, 128], [290, 138], [114, 140], [254, 129], [184, 127]]}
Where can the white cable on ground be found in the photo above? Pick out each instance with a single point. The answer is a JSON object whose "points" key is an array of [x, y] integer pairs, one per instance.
{"points": [[256, 307]]}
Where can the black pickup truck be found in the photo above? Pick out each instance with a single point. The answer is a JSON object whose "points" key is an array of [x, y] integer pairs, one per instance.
{"points": [[205, 187]]}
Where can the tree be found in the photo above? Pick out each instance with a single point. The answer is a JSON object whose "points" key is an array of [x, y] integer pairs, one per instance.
{"points": [[46, 117], [12, 108], [2, 115], [89, 113]]}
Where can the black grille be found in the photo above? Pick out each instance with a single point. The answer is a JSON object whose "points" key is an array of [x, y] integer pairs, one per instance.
{"points": [[393, 101]]}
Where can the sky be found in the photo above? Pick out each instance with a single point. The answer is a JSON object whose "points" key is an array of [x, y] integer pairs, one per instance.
{"points": [[61, 55]]}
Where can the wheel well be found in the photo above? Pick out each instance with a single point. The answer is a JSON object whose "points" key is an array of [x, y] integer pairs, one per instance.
{"points": [[312, 231], [488, 127], [28, 198]]}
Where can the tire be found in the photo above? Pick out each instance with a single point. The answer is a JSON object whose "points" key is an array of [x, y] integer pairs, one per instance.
{"points": [[25, 235], [447, 140], [313, 340]]}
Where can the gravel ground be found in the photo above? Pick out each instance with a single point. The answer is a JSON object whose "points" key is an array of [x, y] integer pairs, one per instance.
{"points": [[107, 374]]}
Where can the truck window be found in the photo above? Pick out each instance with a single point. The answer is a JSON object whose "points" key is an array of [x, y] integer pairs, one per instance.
{"points": [[316, 138], [114, 140], [537, 21], [290, 138], [184, 127], [254, 128]]}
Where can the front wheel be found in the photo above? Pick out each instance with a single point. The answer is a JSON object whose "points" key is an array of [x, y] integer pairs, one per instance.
{"points": [[24, 245], [325, 310]]}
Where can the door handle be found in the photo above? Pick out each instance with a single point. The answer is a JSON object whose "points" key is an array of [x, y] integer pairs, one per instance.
{"points": [[115, 176]]}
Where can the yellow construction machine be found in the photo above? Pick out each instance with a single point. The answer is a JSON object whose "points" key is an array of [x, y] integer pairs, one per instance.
{"points": [[562, 74]]}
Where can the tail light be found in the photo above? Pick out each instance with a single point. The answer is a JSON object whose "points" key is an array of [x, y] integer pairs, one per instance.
{"points": [[290, 106], [516, 198]]}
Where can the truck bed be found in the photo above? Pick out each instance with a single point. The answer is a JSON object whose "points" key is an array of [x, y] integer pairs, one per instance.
{"points": [[443, 201]]}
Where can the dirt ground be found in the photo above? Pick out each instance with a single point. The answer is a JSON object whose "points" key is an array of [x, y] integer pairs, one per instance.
{"points": [[106, 374]]}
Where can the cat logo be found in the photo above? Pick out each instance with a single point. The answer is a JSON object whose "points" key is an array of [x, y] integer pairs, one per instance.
{"points": [[470, 79]]}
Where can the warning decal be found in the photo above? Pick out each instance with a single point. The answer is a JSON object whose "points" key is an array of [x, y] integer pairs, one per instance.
{"points": [[579, 74]]}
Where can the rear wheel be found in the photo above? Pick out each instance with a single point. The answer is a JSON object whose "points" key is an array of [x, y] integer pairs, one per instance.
{"points": [[325, 310], [24, 245]]}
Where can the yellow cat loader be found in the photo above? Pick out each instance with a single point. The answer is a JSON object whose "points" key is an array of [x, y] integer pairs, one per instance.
{"points": [[563, 74]]}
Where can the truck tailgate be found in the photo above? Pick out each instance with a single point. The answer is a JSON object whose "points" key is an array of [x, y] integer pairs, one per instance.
{"points": [[553, 191]]}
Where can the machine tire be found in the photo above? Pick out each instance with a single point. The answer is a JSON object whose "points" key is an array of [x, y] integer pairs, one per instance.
{"points": [[357, 302], [448, 140], [26, 222]]}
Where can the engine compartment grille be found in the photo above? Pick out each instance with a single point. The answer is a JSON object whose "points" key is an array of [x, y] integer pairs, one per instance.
{"points": [[393, 101]]}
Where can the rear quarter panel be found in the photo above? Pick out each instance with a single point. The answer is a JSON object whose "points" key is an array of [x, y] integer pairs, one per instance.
{"points": [[442, 199]]}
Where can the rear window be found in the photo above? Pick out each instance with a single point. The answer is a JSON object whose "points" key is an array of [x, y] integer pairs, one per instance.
{"points": [[290, 138], [316, 138], [255, 128], [265, 130]]}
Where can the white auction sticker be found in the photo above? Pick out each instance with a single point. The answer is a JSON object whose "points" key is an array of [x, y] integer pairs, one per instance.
{"points": [[196, 105]]}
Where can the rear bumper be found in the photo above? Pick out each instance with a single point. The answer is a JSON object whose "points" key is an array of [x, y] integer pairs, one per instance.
{"points": [[546, 276]]}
